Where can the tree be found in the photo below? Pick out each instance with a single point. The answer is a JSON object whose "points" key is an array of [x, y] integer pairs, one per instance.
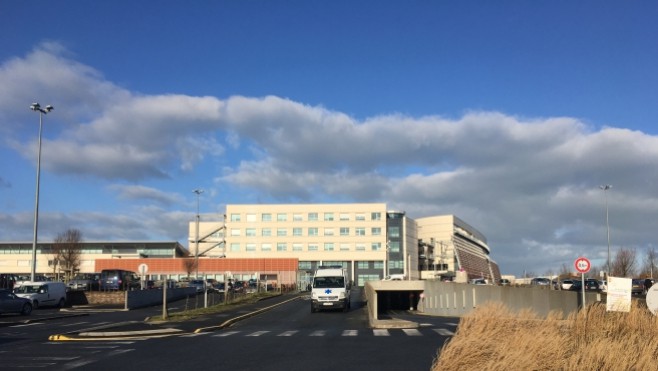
{"points": [[623, 264], [650, 260], [67, 250], [190, 266]]}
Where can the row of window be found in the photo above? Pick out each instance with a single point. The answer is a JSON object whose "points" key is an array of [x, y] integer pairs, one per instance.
{"points": [[365, 264], [283, 246], [312, 231], [299, 217]]}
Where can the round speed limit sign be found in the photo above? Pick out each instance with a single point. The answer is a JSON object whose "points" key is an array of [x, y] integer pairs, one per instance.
{"points": [[582, 265]]}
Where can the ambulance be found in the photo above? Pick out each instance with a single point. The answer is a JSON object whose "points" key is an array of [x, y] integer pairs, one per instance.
{"points": [[330, 289]]}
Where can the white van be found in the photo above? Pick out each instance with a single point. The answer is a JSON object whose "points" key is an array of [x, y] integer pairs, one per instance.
{"points": [[43, 293], [330, 289]]}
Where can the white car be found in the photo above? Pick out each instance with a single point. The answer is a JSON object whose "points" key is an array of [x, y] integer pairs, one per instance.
{"points": [[603, 285]]}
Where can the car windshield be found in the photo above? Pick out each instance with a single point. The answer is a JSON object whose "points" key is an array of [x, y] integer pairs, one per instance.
{"points": [[27, 289], [196, 282], [329, 282]]}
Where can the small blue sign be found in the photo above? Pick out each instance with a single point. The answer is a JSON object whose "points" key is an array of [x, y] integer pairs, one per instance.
{"points": [[327, 291]]}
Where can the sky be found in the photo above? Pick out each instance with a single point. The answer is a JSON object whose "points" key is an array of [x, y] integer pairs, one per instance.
{"points": [[507, 114]]}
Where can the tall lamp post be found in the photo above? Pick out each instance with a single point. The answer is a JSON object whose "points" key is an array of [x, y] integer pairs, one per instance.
{"points": [[605, 189], [36, 107], [196, 239]]}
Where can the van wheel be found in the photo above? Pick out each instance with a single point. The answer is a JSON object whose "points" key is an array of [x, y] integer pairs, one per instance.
{"points": [[27, 309], [313, 310], [61, 303]]}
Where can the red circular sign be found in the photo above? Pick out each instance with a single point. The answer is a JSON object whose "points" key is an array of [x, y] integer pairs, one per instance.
{"points": [[582, 265]]}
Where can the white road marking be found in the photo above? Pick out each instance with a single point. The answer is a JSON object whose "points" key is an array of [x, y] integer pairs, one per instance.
{"points": [[318, 333], [288, 333], [258, 333], [444, 332], [380, 332], [350, 333], [228, 333], [28, 324], [412, 332]]}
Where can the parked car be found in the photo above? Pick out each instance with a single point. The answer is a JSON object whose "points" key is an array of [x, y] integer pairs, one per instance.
{"points": [[43, 293], [603, 285], [10, 303], [504, 282], [637, 286], [199, 285], [540, 281], [479, 281], [590, 285], [85, 281], [566, 284], [117, 279]]}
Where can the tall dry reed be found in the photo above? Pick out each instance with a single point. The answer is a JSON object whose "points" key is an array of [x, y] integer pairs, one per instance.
{"points": [[494, 338]]}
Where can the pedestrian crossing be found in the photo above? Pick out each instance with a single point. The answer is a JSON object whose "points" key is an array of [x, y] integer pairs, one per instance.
{"points": [[327, 333]]}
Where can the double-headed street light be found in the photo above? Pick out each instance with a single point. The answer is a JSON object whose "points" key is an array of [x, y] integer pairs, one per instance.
{"points": [[36, 107], [605, 189], [196, 239]]}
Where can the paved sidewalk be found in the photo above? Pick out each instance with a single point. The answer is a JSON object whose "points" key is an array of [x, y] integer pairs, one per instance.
{"points": [[159, 328]]}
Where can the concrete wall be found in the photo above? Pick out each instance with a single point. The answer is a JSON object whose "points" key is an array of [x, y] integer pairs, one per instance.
{"points": [[147, 298], [456, 299]]}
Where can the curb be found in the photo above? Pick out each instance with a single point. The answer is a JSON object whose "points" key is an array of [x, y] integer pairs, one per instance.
{"points": [[231, 321]]}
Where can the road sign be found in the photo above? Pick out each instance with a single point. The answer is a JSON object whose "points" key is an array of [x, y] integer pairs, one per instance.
{"points": [[143, 268], [582, 265]]}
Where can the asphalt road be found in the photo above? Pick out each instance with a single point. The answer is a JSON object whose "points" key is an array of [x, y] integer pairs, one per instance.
{"points": [[288, 337]]}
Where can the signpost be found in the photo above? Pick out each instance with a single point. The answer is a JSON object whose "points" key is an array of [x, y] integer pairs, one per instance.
{"points": [[143, 268], [583, 266]]}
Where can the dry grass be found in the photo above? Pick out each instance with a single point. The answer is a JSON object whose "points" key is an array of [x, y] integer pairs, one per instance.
{"points": [[218, 308], [494, 338]]}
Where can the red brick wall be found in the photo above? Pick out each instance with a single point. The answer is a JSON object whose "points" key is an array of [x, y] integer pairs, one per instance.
{"points": [[177, 266]]}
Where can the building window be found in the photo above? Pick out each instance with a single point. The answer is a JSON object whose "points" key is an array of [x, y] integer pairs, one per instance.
{"points": [[379, 265], [297, 232], [235, 232], [267, 217], [328, 217], [281, 246], [312, 247], [266, 232], [376, 246], [266, 247], [394, 246], [297, 247], [375, 216], [251, 247], [363, 265], [344, 247], [363, 278], [235, 247], [251, 217], [328, 246], [328, 231], [312, 217], [235, 217], [313, 231], [344, 231], [360, 231], [250, 232], [393, 232], [360, 247], [344, 216], [281, 232], [360, 217], [297, 217], [281, 217], [304, 265], [376, 231]]}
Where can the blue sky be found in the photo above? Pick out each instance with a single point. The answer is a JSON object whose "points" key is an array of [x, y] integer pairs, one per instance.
{"points": [[507, 114]]}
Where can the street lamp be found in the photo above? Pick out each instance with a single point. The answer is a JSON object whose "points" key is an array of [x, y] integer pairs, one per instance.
{"points": [[196, 240], [42, 111], [605, 189]]}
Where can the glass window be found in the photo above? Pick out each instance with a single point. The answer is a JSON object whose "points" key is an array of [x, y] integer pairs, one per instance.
{"points": [[251, 217], [312, 247], [250, 232], [394, 246], [360, 217], [375, 216], [328, 231], [328, 217], [297, 217], [360, 231], [266, 232], [297, 247], [344, 247], [313, 231], [281, 232], [281, 246], [363, 278], [363, 265], [376, 231], [313, 217], [393, 231], [266, 217], [281, 217], [235, 217], [297, 232], [344, 216], [360, 247], [344, 231], [379, 265], [235, 247], [266, 247], [304, 265], [376, 246], [235, 231], [251, 247], [328, 246]]}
